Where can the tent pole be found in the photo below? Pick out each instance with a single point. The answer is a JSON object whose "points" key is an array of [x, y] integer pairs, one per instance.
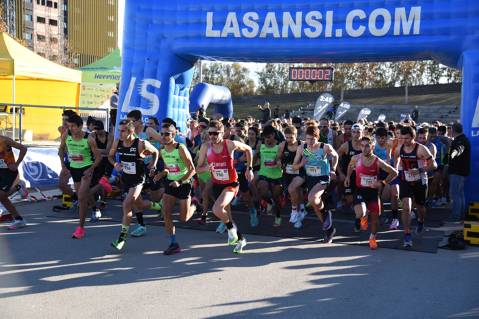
{"points": [[13, 102]]}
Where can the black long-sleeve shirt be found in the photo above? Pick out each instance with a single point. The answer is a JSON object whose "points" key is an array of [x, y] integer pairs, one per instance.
{"points": [[460, 156]]}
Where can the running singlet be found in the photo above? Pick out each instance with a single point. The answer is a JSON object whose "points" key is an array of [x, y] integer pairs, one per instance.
{"points": [[6, 155], [240, 165], [317, 163], [441, 153], [132, 163], [380, 152], [79, 152], [222, 171], [269, 168], [346, 159], [366, 176], [288, 159], [101, 145], [174, 163], [410, 164], [144, 136]]}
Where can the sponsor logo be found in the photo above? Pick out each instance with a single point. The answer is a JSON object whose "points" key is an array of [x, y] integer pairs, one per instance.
{"points": [[144, 89]]}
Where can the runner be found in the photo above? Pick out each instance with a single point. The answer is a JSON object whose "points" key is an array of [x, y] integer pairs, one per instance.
{"points": [[381, 150], [394, 144], [270, 173], [219, 153], [8, 176], [149, 134], [131, 150], [84, 157], [369, 180], [313, 156], [413, 185], [180, 169], [65, 175], [287, 151]]}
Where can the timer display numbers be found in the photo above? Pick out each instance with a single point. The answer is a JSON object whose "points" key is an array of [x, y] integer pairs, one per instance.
{"points": [[311, 74]]}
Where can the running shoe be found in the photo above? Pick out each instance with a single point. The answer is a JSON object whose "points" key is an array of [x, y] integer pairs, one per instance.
{"points": [[277, 222], [298, 224], [79, 233], [302, 214], [95, 215], [139, 231], [328, 235], [239, 246], [174, 248], [118, 244], [221, 228], [419, 228], [253, 218], [157, 205], [294, 216], [232, 236], [407, 240], [357, 225], [328, 220], [394, 224], [373, 243], [364, 223], [269, 208], [17, 223]]}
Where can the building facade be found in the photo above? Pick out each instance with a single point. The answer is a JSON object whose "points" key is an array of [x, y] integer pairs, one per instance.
{"points": [[70, 32]]}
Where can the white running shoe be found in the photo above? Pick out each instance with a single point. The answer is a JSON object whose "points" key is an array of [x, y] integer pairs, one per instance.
{"points": [[17, 224], [294, 217], [298, 224], [232, 236], [239, 246], [394, 224]]}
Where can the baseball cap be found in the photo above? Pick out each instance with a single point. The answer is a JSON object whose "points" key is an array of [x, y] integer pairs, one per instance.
{"points": [[357, 126]]}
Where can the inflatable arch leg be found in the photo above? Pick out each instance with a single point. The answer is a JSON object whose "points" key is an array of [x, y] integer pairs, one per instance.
{"points": [[470, 118]]}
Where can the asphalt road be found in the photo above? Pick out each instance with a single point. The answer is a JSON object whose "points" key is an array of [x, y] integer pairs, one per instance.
{"points": [[46, 274]]}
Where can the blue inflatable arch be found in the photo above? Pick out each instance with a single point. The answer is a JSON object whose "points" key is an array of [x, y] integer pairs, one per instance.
{"points": [[204, 94], [163, 40]]}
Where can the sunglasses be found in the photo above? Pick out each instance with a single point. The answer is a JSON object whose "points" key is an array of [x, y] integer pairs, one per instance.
{"points": [[323, 126], [165, 133], [214, 133]]}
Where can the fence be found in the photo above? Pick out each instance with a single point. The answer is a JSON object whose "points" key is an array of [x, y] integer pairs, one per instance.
{"points": [[38, 124]]}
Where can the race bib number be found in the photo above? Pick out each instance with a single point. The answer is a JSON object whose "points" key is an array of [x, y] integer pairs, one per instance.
{"points": [[412, 175], [3, 164], [129, 167], [313, 170], [221, 174], [173, 169], [290, 170], [368, 181], [75, 157], [269, 163]]}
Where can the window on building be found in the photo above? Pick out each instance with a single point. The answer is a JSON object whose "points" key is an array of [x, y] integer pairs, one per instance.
{"points": [[55, 5], [50, 4], [40, 19], [27, 36], [53, 22], [41, 38], [43, 2], [54, 58], [41, 54], [28, 17], [53, 40], [38, 1]]}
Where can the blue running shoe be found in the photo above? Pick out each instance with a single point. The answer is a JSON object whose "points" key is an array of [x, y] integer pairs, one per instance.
{"points": [[407, 240], [328, 220], [253, 217], [221, 228], [419, 228]]}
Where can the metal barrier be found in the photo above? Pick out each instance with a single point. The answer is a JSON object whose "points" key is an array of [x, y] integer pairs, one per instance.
{"points": [[12, 111]]}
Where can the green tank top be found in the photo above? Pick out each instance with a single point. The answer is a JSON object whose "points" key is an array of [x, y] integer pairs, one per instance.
{"points": [[269, 167], [79, 152], [173, 162]]}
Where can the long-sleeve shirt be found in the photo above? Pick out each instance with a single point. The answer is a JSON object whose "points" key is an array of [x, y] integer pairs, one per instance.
{"points": [[460, 156]]}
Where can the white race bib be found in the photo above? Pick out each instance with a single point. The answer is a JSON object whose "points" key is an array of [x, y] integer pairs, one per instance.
{"points": [[290, 170], [221, 174], [270, 163], [3, 164], [313, 170], [129, 167], [368, 181], [412, 175], [75, 157], [173, 169]]}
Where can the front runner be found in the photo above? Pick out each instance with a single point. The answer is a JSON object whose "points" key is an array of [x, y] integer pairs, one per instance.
{"points": [[219, 153], [130, 150], [8, 176], [369, 180], [412, 157], [180, 169], [84, 157], [313, 156]]}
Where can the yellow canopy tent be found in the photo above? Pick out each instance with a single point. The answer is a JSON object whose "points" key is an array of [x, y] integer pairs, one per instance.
{"points": [[27, 78]]}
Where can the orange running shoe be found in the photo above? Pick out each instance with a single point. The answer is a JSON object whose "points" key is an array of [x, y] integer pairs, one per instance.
{"points": [[364, 223], [372, 243]]}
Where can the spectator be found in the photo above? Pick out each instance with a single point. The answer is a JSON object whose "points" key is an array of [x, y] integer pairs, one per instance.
{"points": [[415, 114], [265, 112], [114, 98], [276, 112], [459, 169]]}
